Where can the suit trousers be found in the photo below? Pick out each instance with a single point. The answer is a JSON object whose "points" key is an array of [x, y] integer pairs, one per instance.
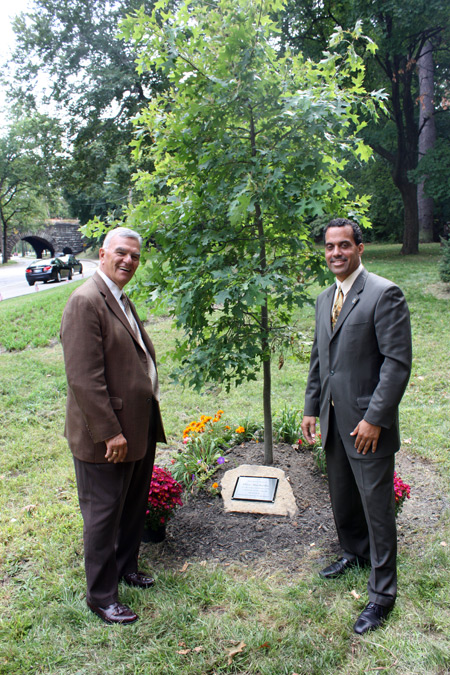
{"points": [[363, 502], [113, 502]]}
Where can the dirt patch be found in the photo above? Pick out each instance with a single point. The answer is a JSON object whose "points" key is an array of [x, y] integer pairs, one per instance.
{"points": [[439, 290], [202, 531]]}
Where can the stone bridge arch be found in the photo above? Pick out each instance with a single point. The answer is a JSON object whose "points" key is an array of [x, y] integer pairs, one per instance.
{"points": [[58, 236], [38, 240]]}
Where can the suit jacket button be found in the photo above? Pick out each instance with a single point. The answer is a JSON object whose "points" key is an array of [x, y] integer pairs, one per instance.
{"points": [[331, 372]]}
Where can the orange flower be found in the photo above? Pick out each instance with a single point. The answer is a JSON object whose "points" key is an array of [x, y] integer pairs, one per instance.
{"points": [[215, 486], [240, 430]]}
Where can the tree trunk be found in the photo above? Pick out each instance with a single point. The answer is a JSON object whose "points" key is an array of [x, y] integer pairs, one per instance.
{"points": [[265, 347], [267, 377], [4, 243], [411, 219], [267, 404], [427, 135]]}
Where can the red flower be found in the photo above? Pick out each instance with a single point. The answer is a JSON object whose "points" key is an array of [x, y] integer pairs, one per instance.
{"points": [[163, 497]]}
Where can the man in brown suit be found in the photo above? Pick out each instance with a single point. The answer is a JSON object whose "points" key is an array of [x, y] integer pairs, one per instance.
{"points": [[113, 422]]}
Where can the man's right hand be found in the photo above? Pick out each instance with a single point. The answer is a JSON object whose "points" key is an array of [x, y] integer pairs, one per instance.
{"points": [[116, 448], [309, 429]]}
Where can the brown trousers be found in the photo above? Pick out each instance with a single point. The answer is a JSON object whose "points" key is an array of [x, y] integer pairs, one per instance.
{"points": [[113, 502]]}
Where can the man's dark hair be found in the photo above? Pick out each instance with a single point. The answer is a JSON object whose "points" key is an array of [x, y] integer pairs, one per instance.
{"points": [[342, 222]]}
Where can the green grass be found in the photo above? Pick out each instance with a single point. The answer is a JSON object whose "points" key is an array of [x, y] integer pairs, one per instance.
{"points": [[289, 624]]}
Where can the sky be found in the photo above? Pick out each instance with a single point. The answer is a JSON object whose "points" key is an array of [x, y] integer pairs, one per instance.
{"points": [[7, 11]]}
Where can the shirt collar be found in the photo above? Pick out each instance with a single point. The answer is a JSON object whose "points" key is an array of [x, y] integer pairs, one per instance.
{"points": [[113, 287], [349, 281]]}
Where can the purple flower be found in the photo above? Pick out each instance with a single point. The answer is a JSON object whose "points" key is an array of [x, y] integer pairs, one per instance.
{"points": [[220, 460]]}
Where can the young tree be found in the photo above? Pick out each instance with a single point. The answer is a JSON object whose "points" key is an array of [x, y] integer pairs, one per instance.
{"points": [[248, 148]]}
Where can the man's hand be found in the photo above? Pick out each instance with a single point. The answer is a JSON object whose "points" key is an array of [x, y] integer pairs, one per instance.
{"points": [[309, 429], [116, 448], [366, 437]]}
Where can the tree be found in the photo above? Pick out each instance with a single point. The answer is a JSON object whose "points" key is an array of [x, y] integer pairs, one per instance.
{"points": [[427, 136], [72, 47], [29, 157], [248, 148], [400, 31]]}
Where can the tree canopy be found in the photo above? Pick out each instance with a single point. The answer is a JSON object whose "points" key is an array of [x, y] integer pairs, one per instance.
{"points": [[400, 31], [72, 49], [248, 148], [30, 156]]}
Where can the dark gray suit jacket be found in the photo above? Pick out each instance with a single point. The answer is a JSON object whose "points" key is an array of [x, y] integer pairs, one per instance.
{"points": [[363, 366]]}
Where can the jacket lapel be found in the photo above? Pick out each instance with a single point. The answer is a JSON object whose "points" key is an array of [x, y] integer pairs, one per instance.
{"points": [[113, 304], [118, 312], [329, 301]]}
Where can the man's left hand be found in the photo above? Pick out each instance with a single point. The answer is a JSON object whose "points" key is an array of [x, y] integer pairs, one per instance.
{"points": [[116, 449], [366, 437]]}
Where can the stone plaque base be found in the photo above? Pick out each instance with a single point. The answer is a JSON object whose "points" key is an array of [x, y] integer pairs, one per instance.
{"points": [[284, 504]]}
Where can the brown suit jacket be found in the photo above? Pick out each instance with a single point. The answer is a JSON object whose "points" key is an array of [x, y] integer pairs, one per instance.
{"points": [[109, 390]]}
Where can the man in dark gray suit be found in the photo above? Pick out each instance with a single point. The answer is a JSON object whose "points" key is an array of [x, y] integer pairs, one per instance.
{"points": [[360, 366]]}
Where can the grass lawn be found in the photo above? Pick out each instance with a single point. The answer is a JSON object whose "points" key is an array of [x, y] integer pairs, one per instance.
{"points": [[208, 618]]}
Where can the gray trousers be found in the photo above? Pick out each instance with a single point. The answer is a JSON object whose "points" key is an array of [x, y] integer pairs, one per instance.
{"points": [[363, 502]]}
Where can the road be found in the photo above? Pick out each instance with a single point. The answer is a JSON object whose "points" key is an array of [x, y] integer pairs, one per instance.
{"points": [[13, 282]]}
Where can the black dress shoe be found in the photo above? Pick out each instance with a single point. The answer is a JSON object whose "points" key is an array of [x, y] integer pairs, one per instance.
{"points": [[138, 579], [115, 613], [340, 566], [371, 618]]}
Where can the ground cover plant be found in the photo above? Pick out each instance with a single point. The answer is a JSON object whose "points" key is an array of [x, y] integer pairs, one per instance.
{"points": [[257, 616]]}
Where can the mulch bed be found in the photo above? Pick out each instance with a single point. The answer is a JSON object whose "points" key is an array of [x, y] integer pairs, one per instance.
{"points": [[202, 531]]}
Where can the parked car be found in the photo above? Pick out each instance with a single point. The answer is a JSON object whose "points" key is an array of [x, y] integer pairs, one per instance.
{"points": [[50, 269], [74, 263]]}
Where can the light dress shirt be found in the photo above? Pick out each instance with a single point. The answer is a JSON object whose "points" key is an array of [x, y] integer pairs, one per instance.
{"points": [[115, 290], [117, 293], [348, 282]]}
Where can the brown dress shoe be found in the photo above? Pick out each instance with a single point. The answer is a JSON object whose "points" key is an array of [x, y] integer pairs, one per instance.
{"points": [[115, 613], [138, 579]]}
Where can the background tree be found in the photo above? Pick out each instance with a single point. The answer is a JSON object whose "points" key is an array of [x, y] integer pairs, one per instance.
{"points": [[427, 135], [400, 31], [248, 147], [30, 153], [70, 52]]}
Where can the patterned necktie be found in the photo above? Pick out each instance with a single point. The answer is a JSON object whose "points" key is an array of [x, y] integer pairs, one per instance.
{"points": [[153, 375], [337, 307]]}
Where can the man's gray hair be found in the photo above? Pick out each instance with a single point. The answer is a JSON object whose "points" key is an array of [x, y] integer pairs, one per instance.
{"points": [[121, 232]]}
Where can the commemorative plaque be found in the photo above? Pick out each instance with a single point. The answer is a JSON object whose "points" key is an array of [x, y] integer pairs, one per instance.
{"points": [[255, 489]]}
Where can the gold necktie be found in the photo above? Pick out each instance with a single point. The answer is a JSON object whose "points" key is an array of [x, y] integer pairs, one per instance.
{"points": [[153, 375], [337, 307]]}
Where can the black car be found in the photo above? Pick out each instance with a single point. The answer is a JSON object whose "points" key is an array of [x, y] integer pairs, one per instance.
{"points": [[73, 262], [50, 269]]}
